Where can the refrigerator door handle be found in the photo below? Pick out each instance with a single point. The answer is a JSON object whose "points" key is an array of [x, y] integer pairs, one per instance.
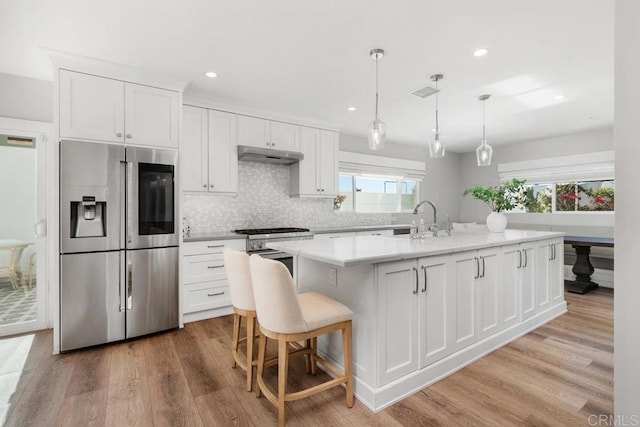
{"points": [[123, 204], [121, 281], [129, 199], [129, 285]]}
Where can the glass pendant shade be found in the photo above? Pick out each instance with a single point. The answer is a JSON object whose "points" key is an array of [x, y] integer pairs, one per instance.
{"points": [[436, 145], [377, 134], [484, 153]]}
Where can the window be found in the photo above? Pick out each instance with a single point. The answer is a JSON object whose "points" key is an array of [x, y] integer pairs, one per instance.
{"points": [[577, 196], [377, 193]]}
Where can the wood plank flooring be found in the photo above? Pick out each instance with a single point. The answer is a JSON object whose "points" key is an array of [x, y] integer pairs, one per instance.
{"points": [[557, 375]]}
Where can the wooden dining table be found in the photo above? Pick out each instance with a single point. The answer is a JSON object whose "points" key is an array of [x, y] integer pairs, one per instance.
{"points": [[16, 248], [582, 268]]}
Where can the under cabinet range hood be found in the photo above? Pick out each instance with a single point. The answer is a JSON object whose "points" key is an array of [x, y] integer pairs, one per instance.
{"points": [[268, 155]]}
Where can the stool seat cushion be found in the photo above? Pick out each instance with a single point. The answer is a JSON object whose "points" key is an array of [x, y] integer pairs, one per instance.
{"points": [[319, 310]]}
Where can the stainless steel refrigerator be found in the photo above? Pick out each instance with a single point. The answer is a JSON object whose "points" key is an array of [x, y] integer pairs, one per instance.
{"points": [[118, 242]]}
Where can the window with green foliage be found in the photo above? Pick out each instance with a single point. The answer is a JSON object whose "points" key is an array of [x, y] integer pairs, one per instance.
{"points": [[377, 193], [580, 196]]}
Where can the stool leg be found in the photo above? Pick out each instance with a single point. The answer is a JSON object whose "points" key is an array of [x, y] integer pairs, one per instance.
{"points": [[314, 361], [236, 338], [283, 367], [251, 324], [262, 349], [348, 369], [307, 357]]}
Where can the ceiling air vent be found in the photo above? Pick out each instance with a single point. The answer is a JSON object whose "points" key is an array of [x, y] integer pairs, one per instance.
{"points": [[424, 91]]}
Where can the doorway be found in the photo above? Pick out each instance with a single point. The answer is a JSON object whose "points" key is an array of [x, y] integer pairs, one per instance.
{"points": [[23, 284]]}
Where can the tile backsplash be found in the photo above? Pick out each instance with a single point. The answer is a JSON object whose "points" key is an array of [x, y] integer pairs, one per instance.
{"points": [[263, 201]]}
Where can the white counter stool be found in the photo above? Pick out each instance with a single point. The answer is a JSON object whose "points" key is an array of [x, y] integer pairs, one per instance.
{"points": [[287, 317], [236, 265]]}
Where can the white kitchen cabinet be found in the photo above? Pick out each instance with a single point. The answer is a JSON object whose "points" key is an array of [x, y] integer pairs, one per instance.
{"points": [[91, 107], [435, 302], [204, 281], [108, 110], [517, 285], [194, 152], [414, 313], [488, 284], [223, 158], [317, 174], [209, 158], [398, 319], [284, 136], [476, 296], [542, 274], [152, 116], [256, 132], [556, 271]]}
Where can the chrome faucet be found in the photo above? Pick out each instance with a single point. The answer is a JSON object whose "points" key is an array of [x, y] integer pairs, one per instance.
{"points": [[434, 225]]}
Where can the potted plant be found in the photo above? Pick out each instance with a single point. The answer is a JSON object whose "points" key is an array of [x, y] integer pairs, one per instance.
{"points": [[503, 197]]}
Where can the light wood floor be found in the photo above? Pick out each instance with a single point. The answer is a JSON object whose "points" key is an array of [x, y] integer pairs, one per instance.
{"points": [[557, 375]]}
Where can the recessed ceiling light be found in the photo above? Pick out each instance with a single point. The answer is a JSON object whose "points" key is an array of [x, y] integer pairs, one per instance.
{"points": [[558, 97], [480, 52], [351, 108], [211, 75]]}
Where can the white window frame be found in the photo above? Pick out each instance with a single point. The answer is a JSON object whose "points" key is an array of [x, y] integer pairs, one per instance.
{"points": [[398, 179]]}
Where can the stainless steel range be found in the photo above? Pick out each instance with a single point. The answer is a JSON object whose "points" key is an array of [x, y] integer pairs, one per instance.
{"points": [[257, 239]]}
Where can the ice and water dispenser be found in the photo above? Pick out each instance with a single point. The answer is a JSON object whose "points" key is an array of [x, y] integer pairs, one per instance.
{"points": [[88, 218]]}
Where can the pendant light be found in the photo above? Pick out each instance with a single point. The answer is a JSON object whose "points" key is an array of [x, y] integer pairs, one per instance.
{"points": [[377, 132], [484, 151], [436, 141]]}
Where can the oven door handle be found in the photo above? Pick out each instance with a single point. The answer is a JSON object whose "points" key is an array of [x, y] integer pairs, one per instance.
{"points": [[273, 254]]}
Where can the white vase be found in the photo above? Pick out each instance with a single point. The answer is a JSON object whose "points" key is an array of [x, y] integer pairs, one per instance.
{"points": [[497, 222]]}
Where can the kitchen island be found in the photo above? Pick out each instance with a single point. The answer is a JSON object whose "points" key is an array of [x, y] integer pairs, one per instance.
{"points": [[424, 309]]}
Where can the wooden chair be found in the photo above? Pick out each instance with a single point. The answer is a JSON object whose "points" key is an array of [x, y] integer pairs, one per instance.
{"points": [[236, 265], [287, 317]]}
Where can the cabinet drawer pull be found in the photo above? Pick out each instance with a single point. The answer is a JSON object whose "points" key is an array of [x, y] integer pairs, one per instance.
{"points": [[128, 135], [216, 294], [520, 258], [415, 270], [119, 134], [376, 234], [215, 266], [215, 246], [424, 271], [526, 259], [477, 268]]}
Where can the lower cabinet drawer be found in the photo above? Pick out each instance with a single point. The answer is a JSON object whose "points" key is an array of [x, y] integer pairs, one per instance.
{"points": [[213, 246], [206, 296], [203, 268]]}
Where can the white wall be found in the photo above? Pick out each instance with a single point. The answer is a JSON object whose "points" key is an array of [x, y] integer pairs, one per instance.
{"points": [[441, 183], [627, 135], [18, 196], [26, 98], [472, 175]]}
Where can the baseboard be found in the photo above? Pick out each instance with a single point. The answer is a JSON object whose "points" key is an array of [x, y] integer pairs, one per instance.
{"points": [[602, 277]]}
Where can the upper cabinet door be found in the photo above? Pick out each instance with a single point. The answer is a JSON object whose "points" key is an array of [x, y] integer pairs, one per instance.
{"points": [[194, 152], [253, 132], [284, 136], [152, 116], [91, 107], [328, 163], [223, 157], [308, 172]]}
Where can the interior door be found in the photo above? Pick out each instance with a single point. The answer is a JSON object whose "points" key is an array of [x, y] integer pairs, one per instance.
{"points": [[23, 226]]}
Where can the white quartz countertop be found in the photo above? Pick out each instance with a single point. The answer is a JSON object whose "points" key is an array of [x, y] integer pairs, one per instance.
{"points": [[349, 251]]}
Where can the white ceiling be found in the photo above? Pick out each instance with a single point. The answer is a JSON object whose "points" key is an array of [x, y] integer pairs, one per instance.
{"points": [[310, 58]]}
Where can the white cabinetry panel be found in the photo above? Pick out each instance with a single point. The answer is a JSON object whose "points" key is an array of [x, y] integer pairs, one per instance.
{"points": [[151, 116], [91, 107], [253, 131], [465, 268], [284, 136], [195, 149], [223, 158], [435, 319]]}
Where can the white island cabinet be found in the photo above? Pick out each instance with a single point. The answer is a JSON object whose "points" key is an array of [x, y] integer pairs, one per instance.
{"points": [[425, 309]]}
